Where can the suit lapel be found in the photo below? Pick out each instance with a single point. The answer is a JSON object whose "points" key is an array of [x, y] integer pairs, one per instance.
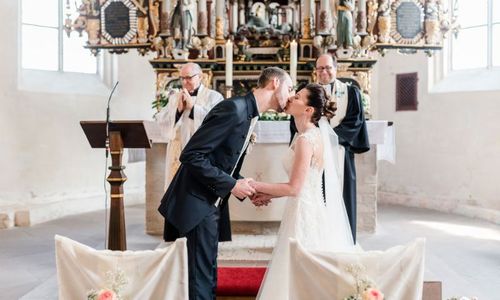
{"points": [[251, 106]]}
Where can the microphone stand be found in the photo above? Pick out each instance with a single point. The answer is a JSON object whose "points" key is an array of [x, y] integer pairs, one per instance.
{"points": [[107, 119], [106, 169]]}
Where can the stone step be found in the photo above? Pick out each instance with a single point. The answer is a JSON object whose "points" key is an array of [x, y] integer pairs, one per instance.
{"points": [[246, 250], [255, 227]]}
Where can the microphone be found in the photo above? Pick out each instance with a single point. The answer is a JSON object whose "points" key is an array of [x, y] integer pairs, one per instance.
{"points": [[107, 119]]}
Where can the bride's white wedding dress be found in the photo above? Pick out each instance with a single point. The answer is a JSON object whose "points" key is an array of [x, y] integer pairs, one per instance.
{"points": [[307, 218]]}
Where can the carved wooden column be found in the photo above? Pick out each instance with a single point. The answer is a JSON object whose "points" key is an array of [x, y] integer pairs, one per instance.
{"points": [[202, 18], [209, 17], [116, 178], [306, 30], [219, 21], [165, 17]]}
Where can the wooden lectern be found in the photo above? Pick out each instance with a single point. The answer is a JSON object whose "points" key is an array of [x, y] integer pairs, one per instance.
{"points": [[122, 134]]}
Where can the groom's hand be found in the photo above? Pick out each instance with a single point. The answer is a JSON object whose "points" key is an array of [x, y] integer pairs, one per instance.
{"points": [[242, 189]]}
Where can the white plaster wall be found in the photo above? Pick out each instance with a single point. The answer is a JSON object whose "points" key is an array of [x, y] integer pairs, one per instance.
{"points": [[45, 158], [448, 152]]}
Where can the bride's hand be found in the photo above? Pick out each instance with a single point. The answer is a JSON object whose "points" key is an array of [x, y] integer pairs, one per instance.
{"points": [[261, 199], [255, 185]]}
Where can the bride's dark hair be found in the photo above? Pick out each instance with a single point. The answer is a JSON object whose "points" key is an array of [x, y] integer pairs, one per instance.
{"points": [[319, 100]]}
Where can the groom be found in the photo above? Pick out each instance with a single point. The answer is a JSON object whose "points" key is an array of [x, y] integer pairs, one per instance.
{"points": [[195, 204]]}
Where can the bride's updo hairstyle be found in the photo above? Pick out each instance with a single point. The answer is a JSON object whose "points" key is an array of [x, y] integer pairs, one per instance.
{"points": [[319, 100]]}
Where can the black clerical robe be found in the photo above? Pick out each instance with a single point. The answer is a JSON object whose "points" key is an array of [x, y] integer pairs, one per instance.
{"points": [[353, 135]]}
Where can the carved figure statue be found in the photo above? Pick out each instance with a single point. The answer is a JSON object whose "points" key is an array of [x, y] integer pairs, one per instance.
{"points": [[285, 48], [242, 53], [181, 24], [384, 21], [431, 22], [157, 45], [431, 10], [371, 15], [344, 25], [92, 7]]}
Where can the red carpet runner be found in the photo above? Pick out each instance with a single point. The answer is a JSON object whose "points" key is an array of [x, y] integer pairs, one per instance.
{"points": [[239, 281]]}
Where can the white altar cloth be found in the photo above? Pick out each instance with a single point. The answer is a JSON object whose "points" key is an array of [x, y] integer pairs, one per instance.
{"points": [[379, 133]]}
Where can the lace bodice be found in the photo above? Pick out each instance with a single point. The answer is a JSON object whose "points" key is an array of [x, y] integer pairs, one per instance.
{"points": [[313, 137], [310, 197]]}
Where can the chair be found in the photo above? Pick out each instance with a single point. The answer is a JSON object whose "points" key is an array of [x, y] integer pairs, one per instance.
{"points": [[397, 272], [83, 272]]}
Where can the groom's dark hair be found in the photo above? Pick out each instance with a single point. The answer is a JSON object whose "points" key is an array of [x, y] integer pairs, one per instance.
{"points": [[268, 74]]}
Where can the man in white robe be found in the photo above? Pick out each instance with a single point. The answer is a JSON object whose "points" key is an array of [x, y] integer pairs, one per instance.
{"points": [[184, 113]]}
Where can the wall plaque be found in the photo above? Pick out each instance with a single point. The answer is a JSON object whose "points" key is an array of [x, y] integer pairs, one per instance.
{"points": [[119, 21], [407, 21]]}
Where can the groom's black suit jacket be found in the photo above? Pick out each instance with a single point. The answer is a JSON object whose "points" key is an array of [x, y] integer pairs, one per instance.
{"points": [[206, 165]]}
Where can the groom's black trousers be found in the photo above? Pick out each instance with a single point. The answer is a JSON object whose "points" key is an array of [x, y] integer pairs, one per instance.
{"points": [[202, 242]]}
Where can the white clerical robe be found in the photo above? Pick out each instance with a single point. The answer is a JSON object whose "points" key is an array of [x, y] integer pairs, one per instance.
{"points": [[340, 96], [178, 133]]}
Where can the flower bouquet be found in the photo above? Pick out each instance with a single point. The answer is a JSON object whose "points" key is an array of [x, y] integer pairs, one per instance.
{"points": [[115, 282], [272, 115], [365, 287]]}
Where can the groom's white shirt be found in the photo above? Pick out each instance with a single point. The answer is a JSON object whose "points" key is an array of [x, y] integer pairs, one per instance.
{"points": [[245, 145]]}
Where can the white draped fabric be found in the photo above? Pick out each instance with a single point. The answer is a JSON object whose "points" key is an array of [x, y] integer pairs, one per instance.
{"points": [[397, 272], [149, 274]]}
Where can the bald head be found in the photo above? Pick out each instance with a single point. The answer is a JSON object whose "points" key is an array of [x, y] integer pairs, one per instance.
{"points": [[326, 69], [191, 67]]}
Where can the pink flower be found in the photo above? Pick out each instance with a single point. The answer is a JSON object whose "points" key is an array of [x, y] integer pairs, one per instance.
{"points": [[106, 295], [372, 294]]}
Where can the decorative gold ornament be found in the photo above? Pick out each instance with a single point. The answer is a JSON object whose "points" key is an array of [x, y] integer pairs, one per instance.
{"points": [[93, 28], [142, 29], [307, 28], [432, 32], [219, 28]]}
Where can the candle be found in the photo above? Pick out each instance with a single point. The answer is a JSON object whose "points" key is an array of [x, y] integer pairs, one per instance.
{"points": [[293, 61], [229, 63], [219, 8], [202, 6], [306, 9], [234, 17]]}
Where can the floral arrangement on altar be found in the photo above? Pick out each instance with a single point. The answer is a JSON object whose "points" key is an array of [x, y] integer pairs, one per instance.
{"points": [[272, 115], [365, 288], [115, 282], [163, 97]]}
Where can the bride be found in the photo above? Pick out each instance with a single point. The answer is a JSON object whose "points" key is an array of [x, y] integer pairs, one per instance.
{"points": [[318, 222]]}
